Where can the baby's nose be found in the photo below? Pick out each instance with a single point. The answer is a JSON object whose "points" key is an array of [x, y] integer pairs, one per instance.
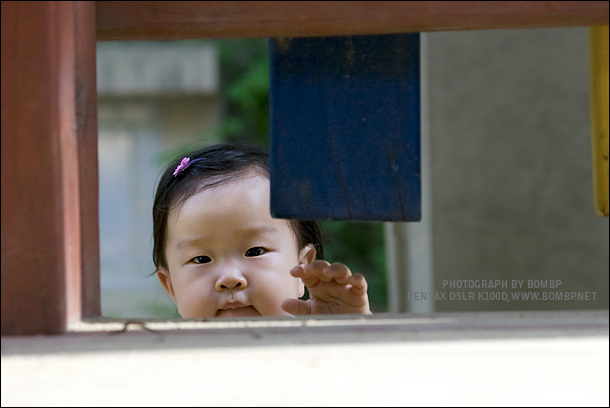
{"points": [[231, 282]]}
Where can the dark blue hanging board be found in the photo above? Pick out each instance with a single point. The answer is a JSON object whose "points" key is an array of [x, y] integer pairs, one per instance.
{"points": [[345, 128]]}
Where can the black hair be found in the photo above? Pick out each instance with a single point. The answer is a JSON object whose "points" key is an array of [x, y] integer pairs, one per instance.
{"points": [[221, 163]]}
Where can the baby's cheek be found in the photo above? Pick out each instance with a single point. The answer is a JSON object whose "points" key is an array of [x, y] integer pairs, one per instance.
{"points": [[268, 300], [196, 300]]}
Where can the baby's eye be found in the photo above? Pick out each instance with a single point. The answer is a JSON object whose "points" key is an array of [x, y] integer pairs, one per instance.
{"points": [[201, 259], [256, 251]]}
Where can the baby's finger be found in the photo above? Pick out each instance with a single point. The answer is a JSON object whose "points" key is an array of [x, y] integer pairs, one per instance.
{"points": [[298, 271], [316, 269], [310, 280], [358, 282], [339, 272], [296, 307]]}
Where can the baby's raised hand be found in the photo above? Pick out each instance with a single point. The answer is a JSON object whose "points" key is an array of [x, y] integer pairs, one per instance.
{"points": [[332, 289]]}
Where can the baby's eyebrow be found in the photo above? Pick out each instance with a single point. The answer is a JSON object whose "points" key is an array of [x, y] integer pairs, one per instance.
{"points": [[258, 230], [188, 242], [245, 232]]}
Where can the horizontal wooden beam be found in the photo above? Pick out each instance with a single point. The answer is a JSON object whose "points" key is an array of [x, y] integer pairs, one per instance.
{"points": [[173, 20]]}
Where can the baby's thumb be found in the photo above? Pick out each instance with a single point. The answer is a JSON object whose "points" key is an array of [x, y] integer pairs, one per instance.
{"points": [[296, 307]]}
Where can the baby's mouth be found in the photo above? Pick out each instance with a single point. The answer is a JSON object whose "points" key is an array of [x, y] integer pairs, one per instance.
{"points": [[236, 309]]}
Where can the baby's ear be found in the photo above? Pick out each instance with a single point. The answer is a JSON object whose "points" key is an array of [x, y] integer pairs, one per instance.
{"points": [[166, 281], [307, 254]]}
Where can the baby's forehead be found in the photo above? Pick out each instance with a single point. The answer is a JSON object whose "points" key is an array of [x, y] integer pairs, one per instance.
{"points": [[252, 174], [240, 205], [195, 187], [238, 194]]}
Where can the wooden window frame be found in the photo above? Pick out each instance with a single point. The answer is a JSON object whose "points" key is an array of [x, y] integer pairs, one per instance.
{"points": [[50, 225]]}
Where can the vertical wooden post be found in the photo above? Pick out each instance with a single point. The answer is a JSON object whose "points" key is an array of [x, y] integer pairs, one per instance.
{"points": [[86, 133], [42, 215], [599, 116]]}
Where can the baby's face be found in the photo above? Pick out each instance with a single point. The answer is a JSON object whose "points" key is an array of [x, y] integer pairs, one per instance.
{"points": [[226, 255]]}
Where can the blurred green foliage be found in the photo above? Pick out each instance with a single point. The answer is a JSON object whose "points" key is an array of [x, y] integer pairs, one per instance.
{"points": [[244, 75], [360, 246], [244, 67]]}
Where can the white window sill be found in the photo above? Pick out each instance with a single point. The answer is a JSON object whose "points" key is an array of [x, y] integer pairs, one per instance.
{"points": [[507, 358]]}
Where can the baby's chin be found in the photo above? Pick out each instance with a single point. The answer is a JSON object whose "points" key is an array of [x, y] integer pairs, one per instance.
{"points": [[246, 311]]}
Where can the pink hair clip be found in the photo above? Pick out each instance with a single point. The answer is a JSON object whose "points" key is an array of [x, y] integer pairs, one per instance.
{"points": [[184, 164]]}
